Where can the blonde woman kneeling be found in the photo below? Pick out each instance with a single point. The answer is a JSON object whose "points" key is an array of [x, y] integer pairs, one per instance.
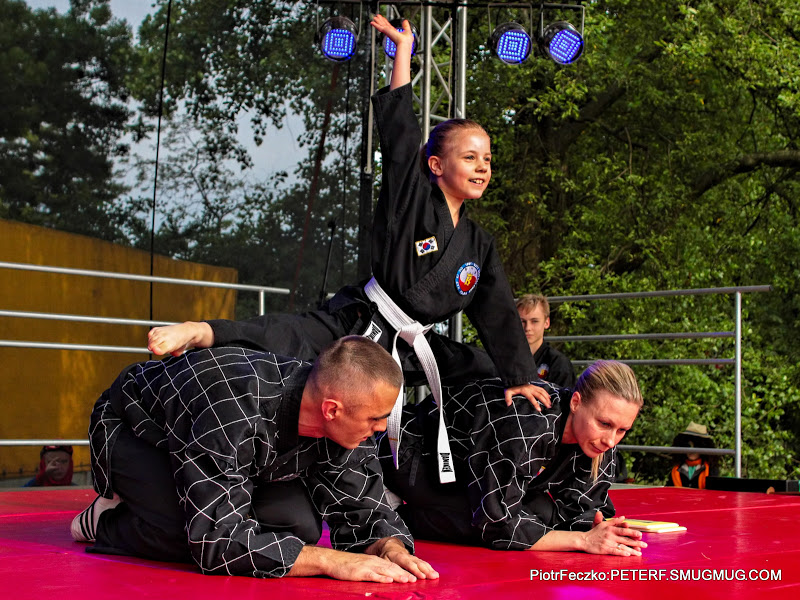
{"points": [[525, 480]]}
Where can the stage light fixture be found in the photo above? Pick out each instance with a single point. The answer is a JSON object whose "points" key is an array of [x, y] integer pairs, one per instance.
{"points": [[561, 42], [390, 48], [510, 43], [337, 39]]}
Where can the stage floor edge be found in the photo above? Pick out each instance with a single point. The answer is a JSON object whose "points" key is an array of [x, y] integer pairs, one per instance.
{"points": [[737, 545]]}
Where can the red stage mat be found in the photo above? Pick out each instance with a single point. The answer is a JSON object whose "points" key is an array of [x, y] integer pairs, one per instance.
{"points": [[738, 545]]}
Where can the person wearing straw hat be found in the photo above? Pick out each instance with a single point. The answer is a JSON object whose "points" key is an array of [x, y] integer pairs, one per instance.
{"points": [[692, 469]]}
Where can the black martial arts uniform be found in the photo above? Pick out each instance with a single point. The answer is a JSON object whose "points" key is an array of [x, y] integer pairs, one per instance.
{"points": [[429, 268], [205, 453], [500, 498], [553, 366]]}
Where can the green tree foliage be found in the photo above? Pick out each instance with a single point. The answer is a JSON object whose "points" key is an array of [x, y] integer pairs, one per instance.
{"points": [[254, 60], [666, 158], [64, 115], [212, 211]]}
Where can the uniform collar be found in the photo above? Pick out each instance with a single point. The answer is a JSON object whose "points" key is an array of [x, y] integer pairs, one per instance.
{"points": [[288, 414], [443, 210], [537, 356]]}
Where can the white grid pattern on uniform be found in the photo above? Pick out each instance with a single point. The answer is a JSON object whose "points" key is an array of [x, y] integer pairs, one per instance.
{"points": [[218, 412], [503, 449]]}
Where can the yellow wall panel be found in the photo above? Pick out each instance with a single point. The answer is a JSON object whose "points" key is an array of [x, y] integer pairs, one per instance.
{"points": [[50, 393]]}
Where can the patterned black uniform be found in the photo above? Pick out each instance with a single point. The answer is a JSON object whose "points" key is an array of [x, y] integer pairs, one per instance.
{"points": [[553, 366], [228, 418], [500, 499], [464, 272]]}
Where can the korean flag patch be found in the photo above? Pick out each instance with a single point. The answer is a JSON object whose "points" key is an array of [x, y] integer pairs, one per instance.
{"points": [[426, 246]]}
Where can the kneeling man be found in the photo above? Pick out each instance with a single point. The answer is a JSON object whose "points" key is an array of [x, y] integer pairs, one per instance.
{"points": [[231, 458]]}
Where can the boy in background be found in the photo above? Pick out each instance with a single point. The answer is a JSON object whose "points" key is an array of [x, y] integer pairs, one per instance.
{"points": [[551, 365]]}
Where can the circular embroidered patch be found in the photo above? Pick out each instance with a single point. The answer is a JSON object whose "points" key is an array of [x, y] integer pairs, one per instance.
{"points": [[467, 278]]}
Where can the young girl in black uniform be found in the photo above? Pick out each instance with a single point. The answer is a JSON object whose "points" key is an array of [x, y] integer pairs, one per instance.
{"points": [[429, 261]]}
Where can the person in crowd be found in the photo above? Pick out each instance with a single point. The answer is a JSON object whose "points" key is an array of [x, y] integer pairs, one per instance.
{"points": [[55, 467], [692, 469], [551, 365], [526, 480], [232, 458]]}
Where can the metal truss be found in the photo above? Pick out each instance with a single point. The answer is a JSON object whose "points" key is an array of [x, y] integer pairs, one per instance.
{"points": [[439, 84]]}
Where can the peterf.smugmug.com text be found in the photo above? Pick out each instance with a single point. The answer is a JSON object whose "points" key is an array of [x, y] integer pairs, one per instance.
{"points": [[657, 575]]}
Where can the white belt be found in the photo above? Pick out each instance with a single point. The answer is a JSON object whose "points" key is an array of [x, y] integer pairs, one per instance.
{"points": [[413, 333]]}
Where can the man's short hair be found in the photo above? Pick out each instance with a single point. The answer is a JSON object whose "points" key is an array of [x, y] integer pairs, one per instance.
{"points": [[354, 364], [531, 301]]}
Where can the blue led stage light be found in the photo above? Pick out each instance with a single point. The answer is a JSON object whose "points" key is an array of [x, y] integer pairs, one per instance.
{"points": [[510, 43], [337, 39], [562, 42]]}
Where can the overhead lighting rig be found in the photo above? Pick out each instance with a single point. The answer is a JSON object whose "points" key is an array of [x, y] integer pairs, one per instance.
{"points": [[560, 40]]}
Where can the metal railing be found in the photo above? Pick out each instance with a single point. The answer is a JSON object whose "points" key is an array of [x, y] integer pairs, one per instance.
{"points": [[737, 291], [263, 290], [260, 289]]}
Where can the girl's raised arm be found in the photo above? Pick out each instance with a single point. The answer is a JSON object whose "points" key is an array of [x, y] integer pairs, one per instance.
{"points": [[401, 72]]}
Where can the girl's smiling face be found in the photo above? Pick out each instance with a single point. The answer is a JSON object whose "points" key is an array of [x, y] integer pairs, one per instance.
{"points": [[463, 171], [598, 424]]}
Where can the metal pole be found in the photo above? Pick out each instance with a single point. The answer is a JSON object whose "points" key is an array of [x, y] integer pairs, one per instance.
{"points": [[45, 442], [57, 346], [421, 391], [460, 39], [134, 277], [366, 175], [262, 302], [738, 383], [662, 293], [427, 68], [322, 293], [460, 92], [677, 450], [81, 318]]}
